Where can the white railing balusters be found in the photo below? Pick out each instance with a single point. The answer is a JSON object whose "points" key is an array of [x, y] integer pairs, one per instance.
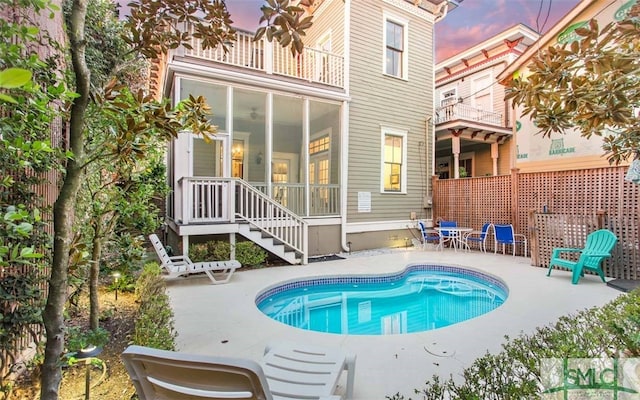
{"points": [[312, 65], [464, 111], [225, 199]]}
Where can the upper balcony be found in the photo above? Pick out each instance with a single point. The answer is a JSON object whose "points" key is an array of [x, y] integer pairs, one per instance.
{"points": [[312, 65], [460, 111], [470, 123]]}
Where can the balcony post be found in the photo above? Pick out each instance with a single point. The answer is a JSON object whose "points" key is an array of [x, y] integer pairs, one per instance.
{"points": [[231, 198], [494, 157], [186, 190], [455, 144], [268, 56]]}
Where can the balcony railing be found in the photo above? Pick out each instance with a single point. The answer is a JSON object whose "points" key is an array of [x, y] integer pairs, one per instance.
{"points": [[311, 65], [462, 111]]}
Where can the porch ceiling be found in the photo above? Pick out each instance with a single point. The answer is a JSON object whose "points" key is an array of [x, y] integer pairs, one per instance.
{"points": [[476, 132]]}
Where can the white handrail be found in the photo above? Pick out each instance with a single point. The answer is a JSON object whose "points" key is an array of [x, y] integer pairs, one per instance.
{"points": [[208, 199], [267, 215]]}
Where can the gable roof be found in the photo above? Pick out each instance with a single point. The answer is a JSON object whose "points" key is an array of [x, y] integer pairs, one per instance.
{"points": [[514, 40]]}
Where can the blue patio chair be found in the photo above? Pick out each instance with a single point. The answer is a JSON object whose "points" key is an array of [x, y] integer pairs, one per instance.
{"points": [[598, 247], [479, 237], [448, 236], [504, 235], [429, 236]]}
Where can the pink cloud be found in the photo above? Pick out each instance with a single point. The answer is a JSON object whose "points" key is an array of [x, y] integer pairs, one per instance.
{"points": [[453, 40]]}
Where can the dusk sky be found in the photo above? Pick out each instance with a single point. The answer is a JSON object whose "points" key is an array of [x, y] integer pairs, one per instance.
{"points": [[466, 26]]}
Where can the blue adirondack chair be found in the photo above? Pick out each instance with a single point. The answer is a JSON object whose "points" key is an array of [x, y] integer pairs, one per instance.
{"points": [[598, 247]]}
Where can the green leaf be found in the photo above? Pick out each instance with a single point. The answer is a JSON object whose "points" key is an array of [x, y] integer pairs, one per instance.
{"points": [[14, 78], [7, 98]]}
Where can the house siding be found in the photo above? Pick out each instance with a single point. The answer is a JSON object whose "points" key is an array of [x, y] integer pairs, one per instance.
{"points": [[505, 162], [328, 17], [483, 162], [380, 100]]}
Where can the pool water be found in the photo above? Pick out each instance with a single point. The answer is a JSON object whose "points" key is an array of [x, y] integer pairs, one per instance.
{"points": [[420, 298]]}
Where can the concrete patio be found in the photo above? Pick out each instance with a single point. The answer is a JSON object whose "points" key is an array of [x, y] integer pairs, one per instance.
{"points": [[224, 320]]}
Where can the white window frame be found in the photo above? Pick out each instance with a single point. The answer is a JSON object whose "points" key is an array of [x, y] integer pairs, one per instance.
{"points": [[323, 44], [388, 17], [403, 133], [478, 89], [448, 100], [244, 136], [325, 154]]}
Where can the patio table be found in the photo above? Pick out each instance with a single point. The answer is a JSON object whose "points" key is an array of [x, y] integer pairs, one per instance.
{"points": [[456, 234]]}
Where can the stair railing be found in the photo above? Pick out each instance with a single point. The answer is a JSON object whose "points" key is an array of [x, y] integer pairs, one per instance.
{"points": [[270, 217]]}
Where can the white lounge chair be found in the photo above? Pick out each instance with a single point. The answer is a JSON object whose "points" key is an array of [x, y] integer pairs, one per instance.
{"points": [[178, 266], [311, 374]]}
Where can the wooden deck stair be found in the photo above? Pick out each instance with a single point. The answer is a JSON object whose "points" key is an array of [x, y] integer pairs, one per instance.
{"points": [[270, 243]]}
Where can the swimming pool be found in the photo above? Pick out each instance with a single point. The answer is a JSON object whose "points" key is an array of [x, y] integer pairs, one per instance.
{"points": [[420, 298]]}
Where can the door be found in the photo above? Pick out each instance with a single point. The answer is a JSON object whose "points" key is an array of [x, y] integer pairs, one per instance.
{"points": [[323, 73], [279, 179]]}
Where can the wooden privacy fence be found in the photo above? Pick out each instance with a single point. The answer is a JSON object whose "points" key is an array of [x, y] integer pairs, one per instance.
{"points": [[576, 203]]}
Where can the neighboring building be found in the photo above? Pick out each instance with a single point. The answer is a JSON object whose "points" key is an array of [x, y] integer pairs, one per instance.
{"points": [[315, 154], [473, 126], [569, 150]]}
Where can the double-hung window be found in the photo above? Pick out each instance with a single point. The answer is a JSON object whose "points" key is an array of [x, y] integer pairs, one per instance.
{"points": [[395, 48], [394, 161]]}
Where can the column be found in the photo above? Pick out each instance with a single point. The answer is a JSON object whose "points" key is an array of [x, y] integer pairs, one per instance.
{"points": [[494, 157], [455, 148]]}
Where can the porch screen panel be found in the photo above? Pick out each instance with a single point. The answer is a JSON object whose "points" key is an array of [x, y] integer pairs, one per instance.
{"points": [[215, 96], [288, 153], [249, 123], [324, 158]]}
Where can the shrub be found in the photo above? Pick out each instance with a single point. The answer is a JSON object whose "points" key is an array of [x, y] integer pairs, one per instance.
{"points": [[154, 323], [209, 251], [219, 250], [199, 252], [247, 253], [78, 338], [124, 283], [514, 373]]}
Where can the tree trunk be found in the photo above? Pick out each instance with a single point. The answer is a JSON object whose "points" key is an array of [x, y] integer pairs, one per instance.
{"points": [[63, 211], [96, 254]]}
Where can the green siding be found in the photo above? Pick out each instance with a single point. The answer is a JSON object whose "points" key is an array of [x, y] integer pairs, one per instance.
{"points": [[378, 100]]}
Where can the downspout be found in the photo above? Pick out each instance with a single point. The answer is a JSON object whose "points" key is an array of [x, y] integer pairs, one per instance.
{"points": [[344, 146], [344, 178]]}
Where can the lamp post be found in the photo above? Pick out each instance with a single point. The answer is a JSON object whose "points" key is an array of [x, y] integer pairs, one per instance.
{"points": [[116, 276], [87, 354]]}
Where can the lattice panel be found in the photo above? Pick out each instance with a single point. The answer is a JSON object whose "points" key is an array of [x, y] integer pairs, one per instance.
{"points": [[625, 260], [570, 197], [562, 230], [472, 202]]}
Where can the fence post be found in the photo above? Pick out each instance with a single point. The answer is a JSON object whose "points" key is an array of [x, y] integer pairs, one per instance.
{"points": [[434, 198], [515, 194], [533, 237]]}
